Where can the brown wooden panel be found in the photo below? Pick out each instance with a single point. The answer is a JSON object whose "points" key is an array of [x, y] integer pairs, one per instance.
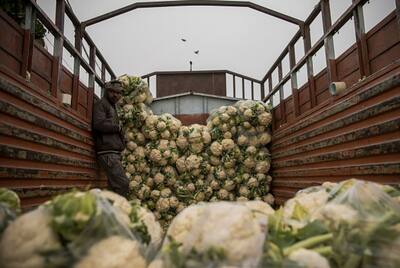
{"points": [[11, 38], [323, 96], [43, 150], [305, 107], [66, 81], [9, 61], [304, 95], [42, 62], [209, 83], [321, 82], [43, 84], [83, 96], [383, 36], [290, 117], [289, 108], [347, 63], [82, 110], [385, 58]]}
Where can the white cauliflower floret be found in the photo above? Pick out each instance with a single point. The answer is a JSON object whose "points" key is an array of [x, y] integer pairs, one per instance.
{"points": [[269, 199], [264, 118], [261, 211], [216, 148], [26, 239], [166, 134], [193, 162], [162, 205], [228, 226], [337, 213], [140, 151], [131, 145], [153, 227], [262, 166], [151, 121], [227, 144], [206, 137], [248, 114], [159, 178], [182, 142], [161, 125], [115, 199], [259, 207], [309, 259], [307, 203], [180, 164], [114, 252], [264, 138], [242, 140], [155, 155], [196, 147]]}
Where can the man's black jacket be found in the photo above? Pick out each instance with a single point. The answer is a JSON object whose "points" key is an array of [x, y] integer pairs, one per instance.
{"points": [[106, 131]]}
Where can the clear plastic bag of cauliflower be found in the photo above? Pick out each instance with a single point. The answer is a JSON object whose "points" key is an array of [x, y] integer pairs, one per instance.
{"points": [[220, 234], [76, 229], [353, 223], [365, 222]]}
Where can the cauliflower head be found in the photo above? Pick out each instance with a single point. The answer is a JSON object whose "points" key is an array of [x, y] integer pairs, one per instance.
{"points": [[26, 239], [114, 252]]}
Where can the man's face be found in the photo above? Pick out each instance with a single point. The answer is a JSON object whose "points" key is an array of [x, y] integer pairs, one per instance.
{"points": [[114, 94]]}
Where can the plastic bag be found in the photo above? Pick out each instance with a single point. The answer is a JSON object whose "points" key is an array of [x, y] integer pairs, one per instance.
{"points": [[214, 235], [365, 221], [349, 224]]}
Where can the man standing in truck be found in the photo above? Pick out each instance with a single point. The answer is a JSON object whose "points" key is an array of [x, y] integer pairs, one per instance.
{"points": [[108, 137]]}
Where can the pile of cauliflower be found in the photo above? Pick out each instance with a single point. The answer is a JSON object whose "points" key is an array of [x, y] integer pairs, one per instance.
{"points": [[172, 166], [82, 229]]}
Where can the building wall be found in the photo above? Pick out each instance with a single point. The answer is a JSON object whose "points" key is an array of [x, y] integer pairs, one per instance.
{"points": [[209, 83]]}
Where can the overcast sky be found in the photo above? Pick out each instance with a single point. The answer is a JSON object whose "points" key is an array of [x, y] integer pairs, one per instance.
{"points": [[232, 38]]}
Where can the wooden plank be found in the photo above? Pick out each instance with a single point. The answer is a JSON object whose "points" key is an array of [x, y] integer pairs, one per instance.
{"points": [[293, 81], [77, 68], [329, 45], [58, 49], [310, 68], [29, 37], [362, 48], [32, 155]]}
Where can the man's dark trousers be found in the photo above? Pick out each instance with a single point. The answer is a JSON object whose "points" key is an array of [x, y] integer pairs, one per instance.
{"points": [[117, 180]]}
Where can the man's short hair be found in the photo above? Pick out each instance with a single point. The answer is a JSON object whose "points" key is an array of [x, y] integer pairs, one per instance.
{"points": [[113, 84]]}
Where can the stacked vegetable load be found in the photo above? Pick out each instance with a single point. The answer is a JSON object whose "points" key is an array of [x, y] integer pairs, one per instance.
{"points": [[349, 224], [173, 166]]}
